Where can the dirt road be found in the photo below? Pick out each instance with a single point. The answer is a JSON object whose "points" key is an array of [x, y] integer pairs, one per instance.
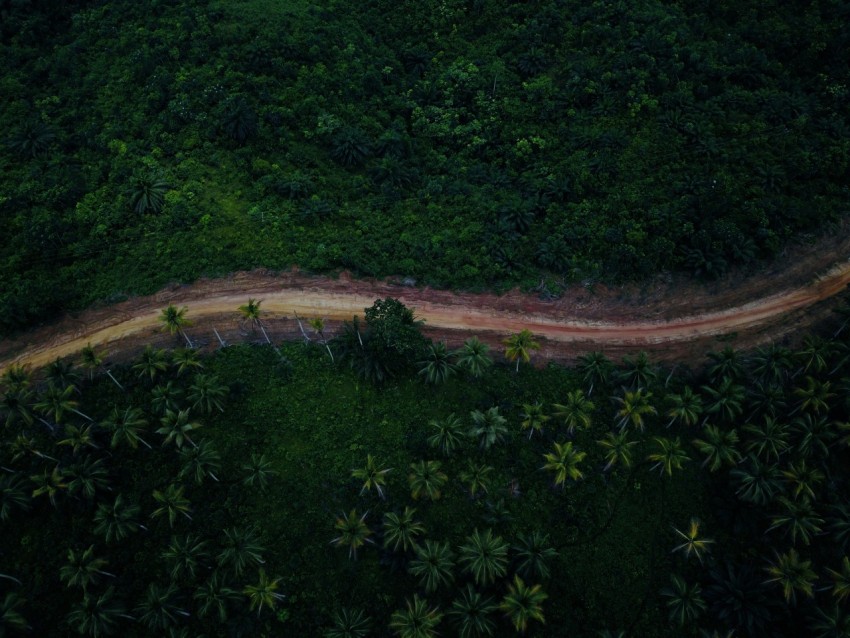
{"points": [[614, 320]]}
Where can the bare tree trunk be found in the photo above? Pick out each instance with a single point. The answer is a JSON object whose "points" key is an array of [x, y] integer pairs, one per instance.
{"points": [[306, 337], [220, 340], [114, 380], [268, 341]]}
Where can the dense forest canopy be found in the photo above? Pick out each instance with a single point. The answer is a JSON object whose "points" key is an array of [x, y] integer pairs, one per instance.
{"points": [[464, 143]]}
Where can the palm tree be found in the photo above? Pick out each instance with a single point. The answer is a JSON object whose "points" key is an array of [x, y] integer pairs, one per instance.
{"points": [[16, 376], [815, 396], [533, 553], [126, 427], [718, 447], [62, 374], [176, 427], [258, 471], [533, 418], [685, 602], [473, 356], [686, 407], [595, 368], [484, 556], [264, 593], [32, 139], [769, 399], [447, 434], [49, 483], [185, 554], [251, 312], [83, 569], [437, 366], [433, 565], [117, 521], [814, 353], [151, 362], [768, 442], [693, 543], [353, 532], [814, 435], [158, 610], [772, 363], [207, 392], [78, 438], [147, 193], [22, 445], [475, 477], [199, 461], [13, 496], [186, 359], [832, 622], [17, 404], [174, 320], [803, 479], [165, 397], [523, 603], [401, 530], [564, 462], [519, 347], [172, 502], [738, 598], [839, 527], [426, 479], [758, 481], [91, 360], [472, 614], [797, 519], [241, 549], [634, 407], [417, 621], [55, 402], [840, 580], [669, 455], [213, 598], [10, 617], [97, 616], [638, 372], [793, 574], [726, 400], [349, 623], [87, 476], [726, 363], [488, 427], [372, 476], [576, 411], [618, 449]]}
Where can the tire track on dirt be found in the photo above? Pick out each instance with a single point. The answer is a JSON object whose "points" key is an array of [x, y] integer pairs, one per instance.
{"points": [[455, 315]]}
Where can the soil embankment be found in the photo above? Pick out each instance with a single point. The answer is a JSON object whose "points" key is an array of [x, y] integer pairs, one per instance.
{"points": [[673, 317]]}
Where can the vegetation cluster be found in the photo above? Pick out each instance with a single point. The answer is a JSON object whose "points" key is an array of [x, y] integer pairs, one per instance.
{"points": [[465, 143], [289, 488]]}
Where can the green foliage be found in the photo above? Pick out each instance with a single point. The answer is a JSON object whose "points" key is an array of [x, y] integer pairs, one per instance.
{"points": [[392, 338], [477, 145], [353, 532], [433, 565], [523, 603], [484, 556], [488, 427], [282, 449]]}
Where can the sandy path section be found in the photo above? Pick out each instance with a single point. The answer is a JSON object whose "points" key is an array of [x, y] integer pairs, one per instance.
{"points": [[565, 328]]}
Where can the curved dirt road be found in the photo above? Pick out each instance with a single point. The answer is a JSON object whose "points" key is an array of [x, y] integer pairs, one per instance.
{"points": [[566, 327]]}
